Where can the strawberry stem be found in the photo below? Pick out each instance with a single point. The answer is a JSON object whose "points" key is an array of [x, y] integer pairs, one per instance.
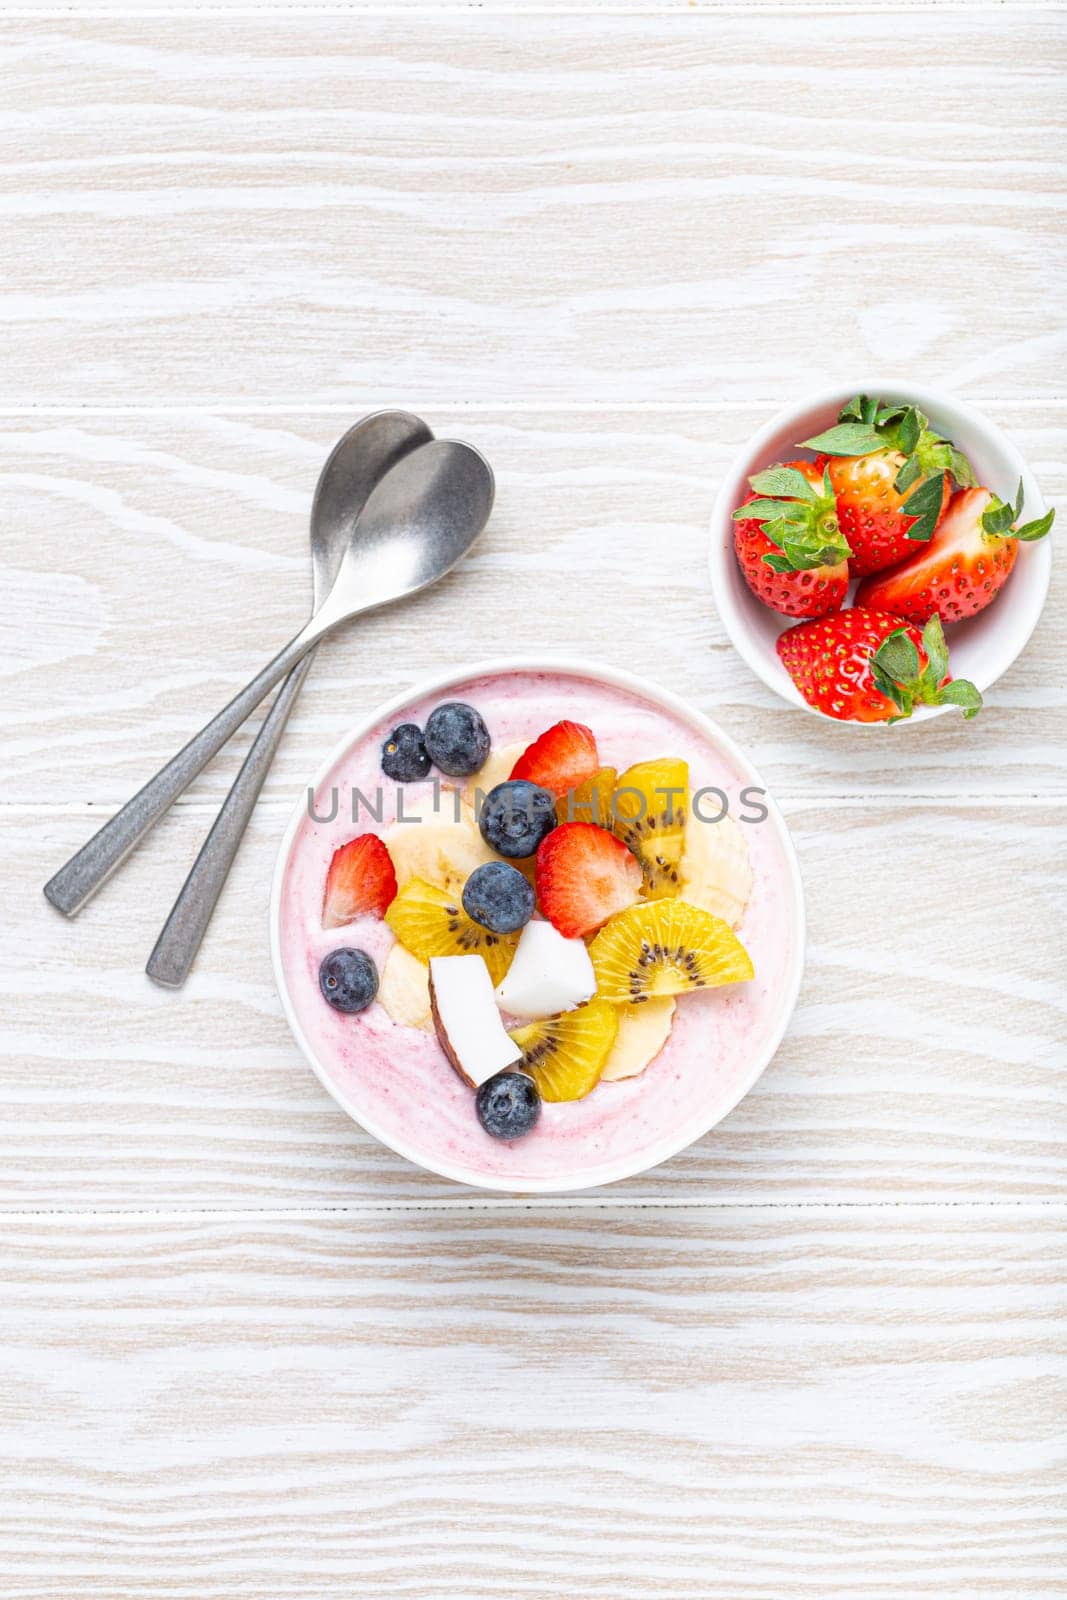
{"points": [[896, 673]]}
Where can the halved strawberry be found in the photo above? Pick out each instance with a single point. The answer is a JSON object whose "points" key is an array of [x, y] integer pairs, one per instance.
{"points": [[361, 882], [584, 876], [564, 756], [891, 475], [966, 564]]}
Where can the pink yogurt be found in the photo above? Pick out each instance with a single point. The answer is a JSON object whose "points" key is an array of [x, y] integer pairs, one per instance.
{"points": [[397, 1082]]}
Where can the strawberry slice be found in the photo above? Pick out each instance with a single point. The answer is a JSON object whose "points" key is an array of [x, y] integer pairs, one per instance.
{"points": [[564, 756], [584, 876], [361, 882]]}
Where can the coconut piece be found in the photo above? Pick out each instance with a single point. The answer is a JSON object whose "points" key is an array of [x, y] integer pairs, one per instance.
{"points": [[548, 974], [466, 1019]]}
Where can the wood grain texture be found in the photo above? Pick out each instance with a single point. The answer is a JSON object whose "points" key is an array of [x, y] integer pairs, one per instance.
{"points": [[359, 208], [245, 1352], [712, 1404], [926, 1058], [154, 563]]}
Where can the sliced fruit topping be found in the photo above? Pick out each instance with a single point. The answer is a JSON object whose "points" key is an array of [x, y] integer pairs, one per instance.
{"points": [[548, 974], [348, 980], [666, 947], [457, 738], [508, 1105], [466, 1019], [650, 806], [715, 872], [405, 757], [499, 897], [866, 666], [643, 1031], [590, 801], [497, 769], [585, 875], [565, 1055], [515, 816], [560, 759], [431, 922], [404, 990], [361, 881], [438, 840], [964, 566], [788, 543]]}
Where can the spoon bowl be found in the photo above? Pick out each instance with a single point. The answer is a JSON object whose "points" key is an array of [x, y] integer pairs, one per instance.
{"points": [[414, 527]]}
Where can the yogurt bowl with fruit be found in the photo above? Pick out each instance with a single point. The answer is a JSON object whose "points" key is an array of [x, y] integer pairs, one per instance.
{"points": [[537, 925]]}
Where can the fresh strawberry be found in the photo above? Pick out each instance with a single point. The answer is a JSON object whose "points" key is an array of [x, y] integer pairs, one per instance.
{"points": [[866, 666], [891, 475], [563, 757], [789, 547], [965, 565], [584, 876], [361, 882]]}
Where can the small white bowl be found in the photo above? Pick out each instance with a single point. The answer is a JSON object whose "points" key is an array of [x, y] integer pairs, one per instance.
{"points": [[346, 1089], [981, 649]]}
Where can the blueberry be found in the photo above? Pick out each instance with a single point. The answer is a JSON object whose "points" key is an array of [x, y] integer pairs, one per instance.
{"points": [[405, 758], [498, 897], [508, 1105], [516, 816], [348, 980], [457, 739]]}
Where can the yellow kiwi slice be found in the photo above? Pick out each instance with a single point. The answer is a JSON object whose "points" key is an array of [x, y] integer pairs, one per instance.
{"points": [[432, 922], [565, 1055], [590, 801], [665, 947], [650, 805]]}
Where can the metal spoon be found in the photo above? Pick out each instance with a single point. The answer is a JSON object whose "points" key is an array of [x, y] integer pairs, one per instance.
{"points": [[417, 523], [357, 462]]}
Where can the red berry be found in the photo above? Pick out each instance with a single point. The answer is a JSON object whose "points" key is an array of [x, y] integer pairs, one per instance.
{"points": [[584, 876], [361, 881], [563, 757]]}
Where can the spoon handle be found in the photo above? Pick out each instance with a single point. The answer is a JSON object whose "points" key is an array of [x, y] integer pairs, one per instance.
{"points": [[182, 933], [80, 878]]}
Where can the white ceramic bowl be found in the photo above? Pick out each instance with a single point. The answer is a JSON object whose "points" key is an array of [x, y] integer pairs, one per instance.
{"points": [[981, 649], [345, 1088]]}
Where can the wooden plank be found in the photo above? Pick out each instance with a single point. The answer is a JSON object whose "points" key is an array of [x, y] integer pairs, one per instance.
{"points": [[646, 1405], [152, 563], [926, 1058], [720, 204]]}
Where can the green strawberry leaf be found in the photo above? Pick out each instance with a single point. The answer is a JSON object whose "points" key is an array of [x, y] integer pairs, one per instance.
{"points": [[854, 410], [909, 431], [960, 692], [997, 518], [924, 504], [907, 475], [897, 656], [785, 481], [936, 652], [961, 468], [760, 510], [847, 439], [1036, 529], [777, 563]]}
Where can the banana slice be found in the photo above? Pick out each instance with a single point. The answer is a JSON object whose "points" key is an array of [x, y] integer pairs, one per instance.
{"points": [[642, 1034], [497, 769], [443, 846], [714, 872], [404, 989]]}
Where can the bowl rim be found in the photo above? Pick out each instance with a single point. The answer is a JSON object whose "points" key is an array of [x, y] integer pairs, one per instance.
{"points": [[721, 555], [573, 667]]}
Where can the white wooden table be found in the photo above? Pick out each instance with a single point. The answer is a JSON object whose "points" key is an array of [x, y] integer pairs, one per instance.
{"points": [[244, 1351]]}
